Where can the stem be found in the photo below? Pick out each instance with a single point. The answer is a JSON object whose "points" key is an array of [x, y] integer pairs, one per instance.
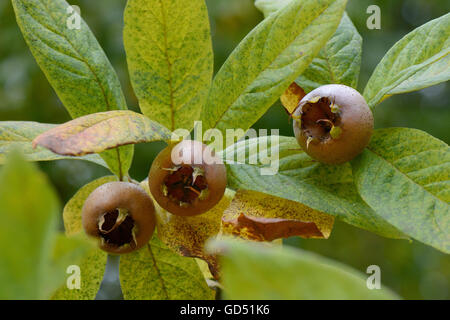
{"points": [[120, 165], [110, 287]]}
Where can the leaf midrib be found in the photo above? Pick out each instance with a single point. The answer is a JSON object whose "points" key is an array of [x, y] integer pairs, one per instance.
{"points": [[169, 67], [80, 56], [163, 286], [101, 122]]}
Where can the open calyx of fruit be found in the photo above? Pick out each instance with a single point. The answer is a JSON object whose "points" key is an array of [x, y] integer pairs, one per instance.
{"points": [[120, 215], [333, 123]]}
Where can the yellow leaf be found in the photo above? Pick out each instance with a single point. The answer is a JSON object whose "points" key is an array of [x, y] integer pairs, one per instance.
{"points": [[258, 216], [291, 97], [101, 131], [188, 235]]}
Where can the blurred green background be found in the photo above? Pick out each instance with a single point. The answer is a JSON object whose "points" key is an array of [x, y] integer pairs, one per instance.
{"points": [[411, 269]]}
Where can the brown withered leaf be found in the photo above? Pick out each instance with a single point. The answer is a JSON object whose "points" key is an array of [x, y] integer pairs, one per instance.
{"points": [[291, 97], [261, 217], [188, 235], [97, 132]]}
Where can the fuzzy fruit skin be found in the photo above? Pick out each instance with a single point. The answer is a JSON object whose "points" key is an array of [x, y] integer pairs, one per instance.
{"points": [[125, 195], [356, 124], [215, 175]]}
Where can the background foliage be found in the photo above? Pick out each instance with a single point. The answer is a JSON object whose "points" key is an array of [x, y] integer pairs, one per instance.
{"points": [[413, 270]]}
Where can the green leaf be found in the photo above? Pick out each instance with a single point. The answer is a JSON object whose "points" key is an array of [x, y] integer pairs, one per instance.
{"points": [[75, 65], [73, 208], [419, 60], [339, 61], [92, 268], [268, 60], [101, 131], [33, 255], [26, 231], [404, 175], [268, 7], [19, 135], [254, 271], [326, 188], [169, 54], [72, 60], [156, 273]]}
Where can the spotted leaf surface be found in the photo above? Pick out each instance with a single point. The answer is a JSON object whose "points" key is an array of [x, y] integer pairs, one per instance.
{"points": [[74, 64], [187, 235], [419, 60], [20, 134], [92, 268], [101, 131], [169, 54], [258, 216], [268, 60], [297, 177], [157, 273], [404, 175]]}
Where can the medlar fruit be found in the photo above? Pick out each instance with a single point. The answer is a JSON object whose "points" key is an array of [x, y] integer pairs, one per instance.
{"points": [[121, 215], [333, 123], [187, 179]]}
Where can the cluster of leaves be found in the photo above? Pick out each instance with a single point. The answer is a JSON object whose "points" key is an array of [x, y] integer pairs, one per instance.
{"points": [[398, 187]]}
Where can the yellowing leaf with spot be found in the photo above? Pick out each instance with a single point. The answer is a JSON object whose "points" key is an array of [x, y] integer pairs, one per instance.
{"points": [[257, 216], [155, 272], [92, 268], [101, 131], [187, 235], [169, 54], [291, 97], [19, 135]]}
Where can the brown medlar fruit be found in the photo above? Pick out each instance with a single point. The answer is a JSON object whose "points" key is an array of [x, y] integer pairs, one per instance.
{"points": [[333, 123], [187, 179], [121, 215]]}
